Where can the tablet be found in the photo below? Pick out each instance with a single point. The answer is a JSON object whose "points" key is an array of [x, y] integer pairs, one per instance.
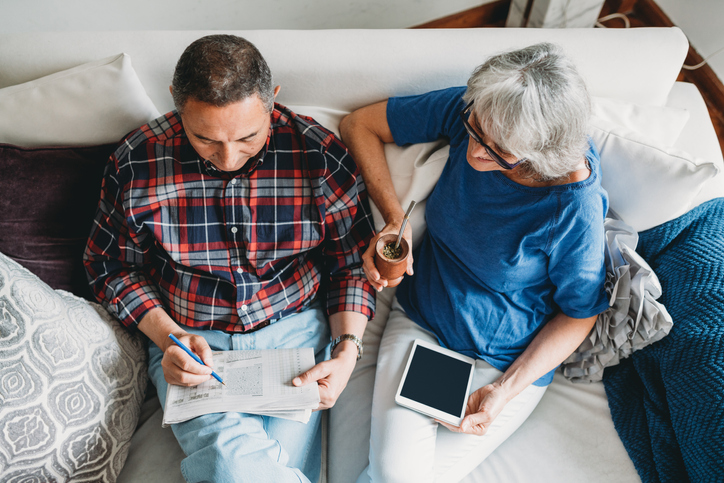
{"points": [[436, 382]]}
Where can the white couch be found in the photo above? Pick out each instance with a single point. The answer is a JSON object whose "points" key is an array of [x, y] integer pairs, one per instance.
{"points": [[570, 436]]}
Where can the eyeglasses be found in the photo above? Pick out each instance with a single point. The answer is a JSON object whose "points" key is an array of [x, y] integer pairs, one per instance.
{"points": [[496, 157]]}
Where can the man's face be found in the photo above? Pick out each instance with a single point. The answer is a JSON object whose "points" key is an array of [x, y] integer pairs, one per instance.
{"points": [[227, 136]]}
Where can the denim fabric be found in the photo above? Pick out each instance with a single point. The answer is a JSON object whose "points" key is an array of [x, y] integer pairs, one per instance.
{"points": [[238, 447]]}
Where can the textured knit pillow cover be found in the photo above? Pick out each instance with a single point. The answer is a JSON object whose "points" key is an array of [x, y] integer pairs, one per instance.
{"points": [[94, 103], [71, 386]]}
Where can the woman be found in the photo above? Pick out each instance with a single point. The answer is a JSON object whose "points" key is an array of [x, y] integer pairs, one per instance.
{"points": [[511, 268]]}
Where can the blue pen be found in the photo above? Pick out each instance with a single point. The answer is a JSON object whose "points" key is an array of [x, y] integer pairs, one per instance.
{"points": [[196, 358]]}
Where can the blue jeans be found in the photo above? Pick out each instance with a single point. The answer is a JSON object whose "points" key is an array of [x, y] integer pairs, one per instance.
{"points": [[238, 447]]}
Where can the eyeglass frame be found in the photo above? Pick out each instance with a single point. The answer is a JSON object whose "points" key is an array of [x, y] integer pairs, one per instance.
{"points": [[473, 134]]}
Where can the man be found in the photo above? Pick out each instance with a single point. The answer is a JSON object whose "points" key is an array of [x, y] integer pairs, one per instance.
{"points": [[233, 223]]}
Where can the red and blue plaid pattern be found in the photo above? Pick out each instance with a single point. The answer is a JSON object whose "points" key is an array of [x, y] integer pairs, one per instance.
{"points": [[229, 251]]}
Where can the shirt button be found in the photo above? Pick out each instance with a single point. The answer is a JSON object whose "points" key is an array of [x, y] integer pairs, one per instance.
{"points": [[233, 181], [240, 270], [234, 229], [244, 308]]}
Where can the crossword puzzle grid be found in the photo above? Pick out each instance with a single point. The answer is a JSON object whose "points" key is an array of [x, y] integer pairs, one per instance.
{"points": [[285, 368]]}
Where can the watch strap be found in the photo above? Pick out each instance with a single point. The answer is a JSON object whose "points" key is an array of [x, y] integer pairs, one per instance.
{"points": [[357, 341]]}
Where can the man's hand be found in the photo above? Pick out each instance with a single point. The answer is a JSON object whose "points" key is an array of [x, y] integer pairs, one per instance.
{"points": [[179, 368], [331, 375], [368, 258], [483, 407]]}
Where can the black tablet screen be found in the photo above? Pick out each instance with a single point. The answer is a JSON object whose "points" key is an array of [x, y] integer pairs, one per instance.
{"points": [[437, 380]]}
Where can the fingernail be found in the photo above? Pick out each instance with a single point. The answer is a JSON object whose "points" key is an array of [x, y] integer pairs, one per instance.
{"points": [[296, 381]]}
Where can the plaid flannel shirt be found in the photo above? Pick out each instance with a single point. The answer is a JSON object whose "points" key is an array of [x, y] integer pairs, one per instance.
{"points": [[229, 251]]}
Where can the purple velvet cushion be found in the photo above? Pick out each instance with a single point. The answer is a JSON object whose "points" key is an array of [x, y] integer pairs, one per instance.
{"points": [[48, 197]]}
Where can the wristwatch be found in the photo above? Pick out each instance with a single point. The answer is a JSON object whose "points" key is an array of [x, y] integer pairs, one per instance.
{"points": [[353, 338]]}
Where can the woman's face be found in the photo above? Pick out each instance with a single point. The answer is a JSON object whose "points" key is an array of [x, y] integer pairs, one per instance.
{"points": [[478, 157]]}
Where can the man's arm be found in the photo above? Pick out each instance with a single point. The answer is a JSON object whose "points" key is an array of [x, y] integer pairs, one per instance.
{"points": [[114, 264], [350, 297], [114, 256]]}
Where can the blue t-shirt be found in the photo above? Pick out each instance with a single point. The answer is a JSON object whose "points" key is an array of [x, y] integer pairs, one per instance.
{"points": [[499, 259]]}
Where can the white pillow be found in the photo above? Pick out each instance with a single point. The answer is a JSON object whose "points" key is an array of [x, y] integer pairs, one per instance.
{"points": [[94, 103], [71, 385], [660, 123], [648, 184]]}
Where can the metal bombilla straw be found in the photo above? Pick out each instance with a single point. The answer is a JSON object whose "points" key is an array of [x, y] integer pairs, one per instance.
{"points": [[404, 223]]}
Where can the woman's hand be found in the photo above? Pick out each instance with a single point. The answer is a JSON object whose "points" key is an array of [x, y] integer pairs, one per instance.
{"points": [[483, 407], [368, 258], [179, 368]]}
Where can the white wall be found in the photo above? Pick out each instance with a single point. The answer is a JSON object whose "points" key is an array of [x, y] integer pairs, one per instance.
{"points": [[701, 21], [94, 15]]}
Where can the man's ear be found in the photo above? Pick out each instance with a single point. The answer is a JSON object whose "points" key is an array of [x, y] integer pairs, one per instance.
{"points": [[276, 91], [170, 89]]}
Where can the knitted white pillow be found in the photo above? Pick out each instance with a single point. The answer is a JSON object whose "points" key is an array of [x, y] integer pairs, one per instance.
{"points": [[71, 386]]}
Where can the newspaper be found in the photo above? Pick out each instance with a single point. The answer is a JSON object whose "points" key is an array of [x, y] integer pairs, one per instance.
{"points": [[257, 382]]}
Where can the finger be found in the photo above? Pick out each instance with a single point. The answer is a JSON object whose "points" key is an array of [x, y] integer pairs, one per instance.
{"points": [[201, 348], [175, 375], [185, 362], [314, 374], [180, 378], [373, 276], [452, 428], [475, 424], [329, 391]]}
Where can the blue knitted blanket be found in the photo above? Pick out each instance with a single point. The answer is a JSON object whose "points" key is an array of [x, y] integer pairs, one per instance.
{"points": [[667, 400]]}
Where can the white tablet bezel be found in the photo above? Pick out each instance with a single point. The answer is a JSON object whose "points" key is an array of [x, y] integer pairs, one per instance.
{"points": [[423, 408]]}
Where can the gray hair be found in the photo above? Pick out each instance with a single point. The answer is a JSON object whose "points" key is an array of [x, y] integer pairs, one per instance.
{"points": [[220, 70], [533, 103]]}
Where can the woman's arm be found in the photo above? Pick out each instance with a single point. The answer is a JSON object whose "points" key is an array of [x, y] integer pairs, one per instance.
{"points": [[365, 132], [553, 344]]}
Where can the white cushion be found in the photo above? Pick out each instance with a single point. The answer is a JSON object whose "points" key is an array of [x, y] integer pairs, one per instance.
{"points": [[647, 184], [93, 103], [699, 137], [71, 384], [660, 123]]}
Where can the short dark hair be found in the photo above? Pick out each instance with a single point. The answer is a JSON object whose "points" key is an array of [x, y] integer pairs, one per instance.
{"points": [[220, 70]]}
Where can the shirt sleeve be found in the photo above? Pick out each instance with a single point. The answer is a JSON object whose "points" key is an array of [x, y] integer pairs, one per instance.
{"points": [[427, 117], [577, 263], [348, 231], [115, 257]]}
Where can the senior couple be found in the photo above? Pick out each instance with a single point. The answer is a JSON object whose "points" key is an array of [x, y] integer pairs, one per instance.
{"points": [[235, 223]]}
